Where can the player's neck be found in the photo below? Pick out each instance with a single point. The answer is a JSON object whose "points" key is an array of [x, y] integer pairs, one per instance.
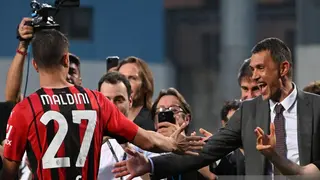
{"points": [[133, 112], [55, 79]]}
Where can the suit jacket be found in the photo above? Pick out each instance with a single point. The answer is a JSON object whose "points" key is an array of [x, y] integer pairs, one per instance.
{"points": [[240, 132], [230, 165]]}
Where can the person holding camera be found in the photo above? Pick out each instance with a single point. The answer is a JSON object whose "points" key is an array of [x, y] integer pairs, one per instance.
{"points": [[169, 111]]}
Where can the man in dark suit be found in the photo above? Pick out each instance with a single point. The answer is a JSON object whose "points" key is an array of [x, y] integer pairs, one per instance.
{"points": [[296, 115]]}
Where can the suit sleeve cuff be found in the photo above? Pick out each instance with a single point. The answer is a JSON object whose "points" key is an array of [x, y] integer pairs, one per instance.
{"points": [[152, 166]]}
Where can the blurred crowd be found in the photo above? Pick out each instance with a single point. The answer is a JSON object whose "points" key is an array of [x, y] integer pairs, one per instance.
{"points": [[245, 145]]}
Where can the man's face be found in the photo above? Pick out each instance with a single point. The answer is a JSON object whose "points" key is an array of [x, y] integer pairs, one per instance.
{"points": [[131, 71], [249, 88], [266, 74], [118, 95], [74, 76], [172, 102]]}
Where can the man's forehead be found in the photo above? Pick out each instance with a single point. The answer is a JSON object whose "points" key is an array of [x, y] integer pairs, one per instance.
{"points": [[245, 81], [259, 57], [114, 89], [129, 69]]}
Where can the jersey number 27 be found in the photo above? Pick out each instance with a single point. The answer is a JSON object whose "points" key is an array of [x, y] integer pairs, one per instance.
{"points": [[48, 160]]}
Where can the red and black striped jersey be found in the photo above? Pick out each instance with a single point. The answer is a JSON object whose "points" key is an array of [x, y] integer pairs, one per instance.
{"points": [[62, 132]]}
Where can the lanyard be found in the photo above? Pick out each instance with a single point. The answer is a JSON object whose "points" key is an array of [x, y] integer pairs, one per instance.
{"points": [[114, 154]]}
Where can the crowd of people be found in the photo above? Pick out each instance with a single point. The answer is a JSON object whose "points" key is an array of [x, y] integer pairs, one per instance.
{"points": [[66, 131]]}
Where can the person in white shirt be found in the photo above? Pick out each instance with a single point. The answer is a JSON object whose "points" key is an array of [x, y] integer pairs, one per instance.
{"points": [[117, 89]]}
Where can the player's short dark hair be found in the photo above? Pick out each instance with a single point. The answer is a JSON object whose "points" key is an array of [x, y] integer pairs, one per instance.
{"points": [[146, 76], [228, 106], [49, 47], [244, 71], [115, 78], [313, 87], [74, 59], [279, 51]]}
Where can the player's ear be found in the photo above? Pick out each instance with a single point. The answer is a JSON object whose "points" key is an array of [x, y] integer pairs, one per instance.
{"points": [[35, 66], [65, 60]]}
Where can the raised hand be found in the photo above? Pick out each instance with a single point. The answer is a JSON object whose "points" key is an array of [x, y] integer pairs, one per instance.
{"points": [[25, 31], [266, 143], [186, 144], [136, 165], [206, 133], [166, 128]]}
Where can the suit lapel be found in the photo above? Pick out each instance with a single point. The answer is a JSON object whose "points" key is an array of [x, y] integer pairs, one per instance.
{"points": [[304, 118], [263, 121]]}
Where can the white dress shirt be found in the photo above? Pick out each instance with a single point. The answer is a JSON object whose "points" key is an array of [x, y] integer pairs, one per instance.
{"points": [[291, 122], [25, 171]]}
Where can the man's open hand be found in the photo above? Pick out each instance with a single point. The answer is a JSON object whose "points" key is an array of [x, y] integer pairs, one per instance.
{"points": [[136, 165], [266, 143], [166, 128], [186, 144]]}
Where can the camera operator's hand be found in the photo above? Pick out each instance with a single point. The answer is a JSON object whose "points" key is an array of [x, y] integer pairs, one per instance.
{"points": [[166, 128], [25, 32]]}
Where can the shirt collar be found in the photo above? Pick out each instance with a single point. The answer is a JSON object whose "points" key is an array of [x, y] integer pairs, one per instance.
{"points": [[288, 102]]}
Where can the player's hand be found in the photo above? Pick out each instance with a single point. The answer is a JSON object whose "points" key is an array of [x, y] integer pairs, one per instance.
{"points": [[25, 31], [266, 143], [186, 144], [166, 128], [136, 165]]}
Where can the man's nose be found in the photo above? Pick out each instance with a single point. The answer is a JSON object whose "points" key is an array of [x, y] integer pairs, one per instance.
{"points": [[112, 101], [255, 75], [250, 95]]}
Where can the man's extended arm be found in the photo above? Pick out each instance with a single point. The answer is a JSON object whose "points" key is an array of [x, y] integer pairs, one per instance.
{"points": [[10, 169], [156, 142], [219, 145], [121, 128], [293, 170]]}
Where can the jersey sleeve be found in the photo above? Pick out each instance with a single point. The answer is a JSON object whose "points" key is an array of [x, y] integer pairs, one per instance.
{"points": [[16, 135], [116, 124]]}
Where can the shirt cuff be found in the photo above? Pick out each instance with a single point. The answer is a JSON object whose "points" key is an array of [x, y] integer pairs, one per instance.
{"points": [[152, 166]]}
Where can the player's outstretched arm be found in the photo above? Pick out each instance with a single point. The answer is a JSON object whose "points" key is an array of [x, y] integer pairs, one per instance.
{"points": [[177, 143], [118, 126], [10, 169]]}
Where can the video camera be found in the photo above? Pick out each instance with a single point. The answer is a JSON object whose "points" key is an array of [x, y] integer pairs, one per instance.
{"points": [[43, 14]]}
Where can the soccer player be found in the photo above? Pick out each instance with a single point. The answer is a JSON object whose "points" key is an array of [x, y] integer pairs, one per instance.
{"points": [[61, 125]]}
